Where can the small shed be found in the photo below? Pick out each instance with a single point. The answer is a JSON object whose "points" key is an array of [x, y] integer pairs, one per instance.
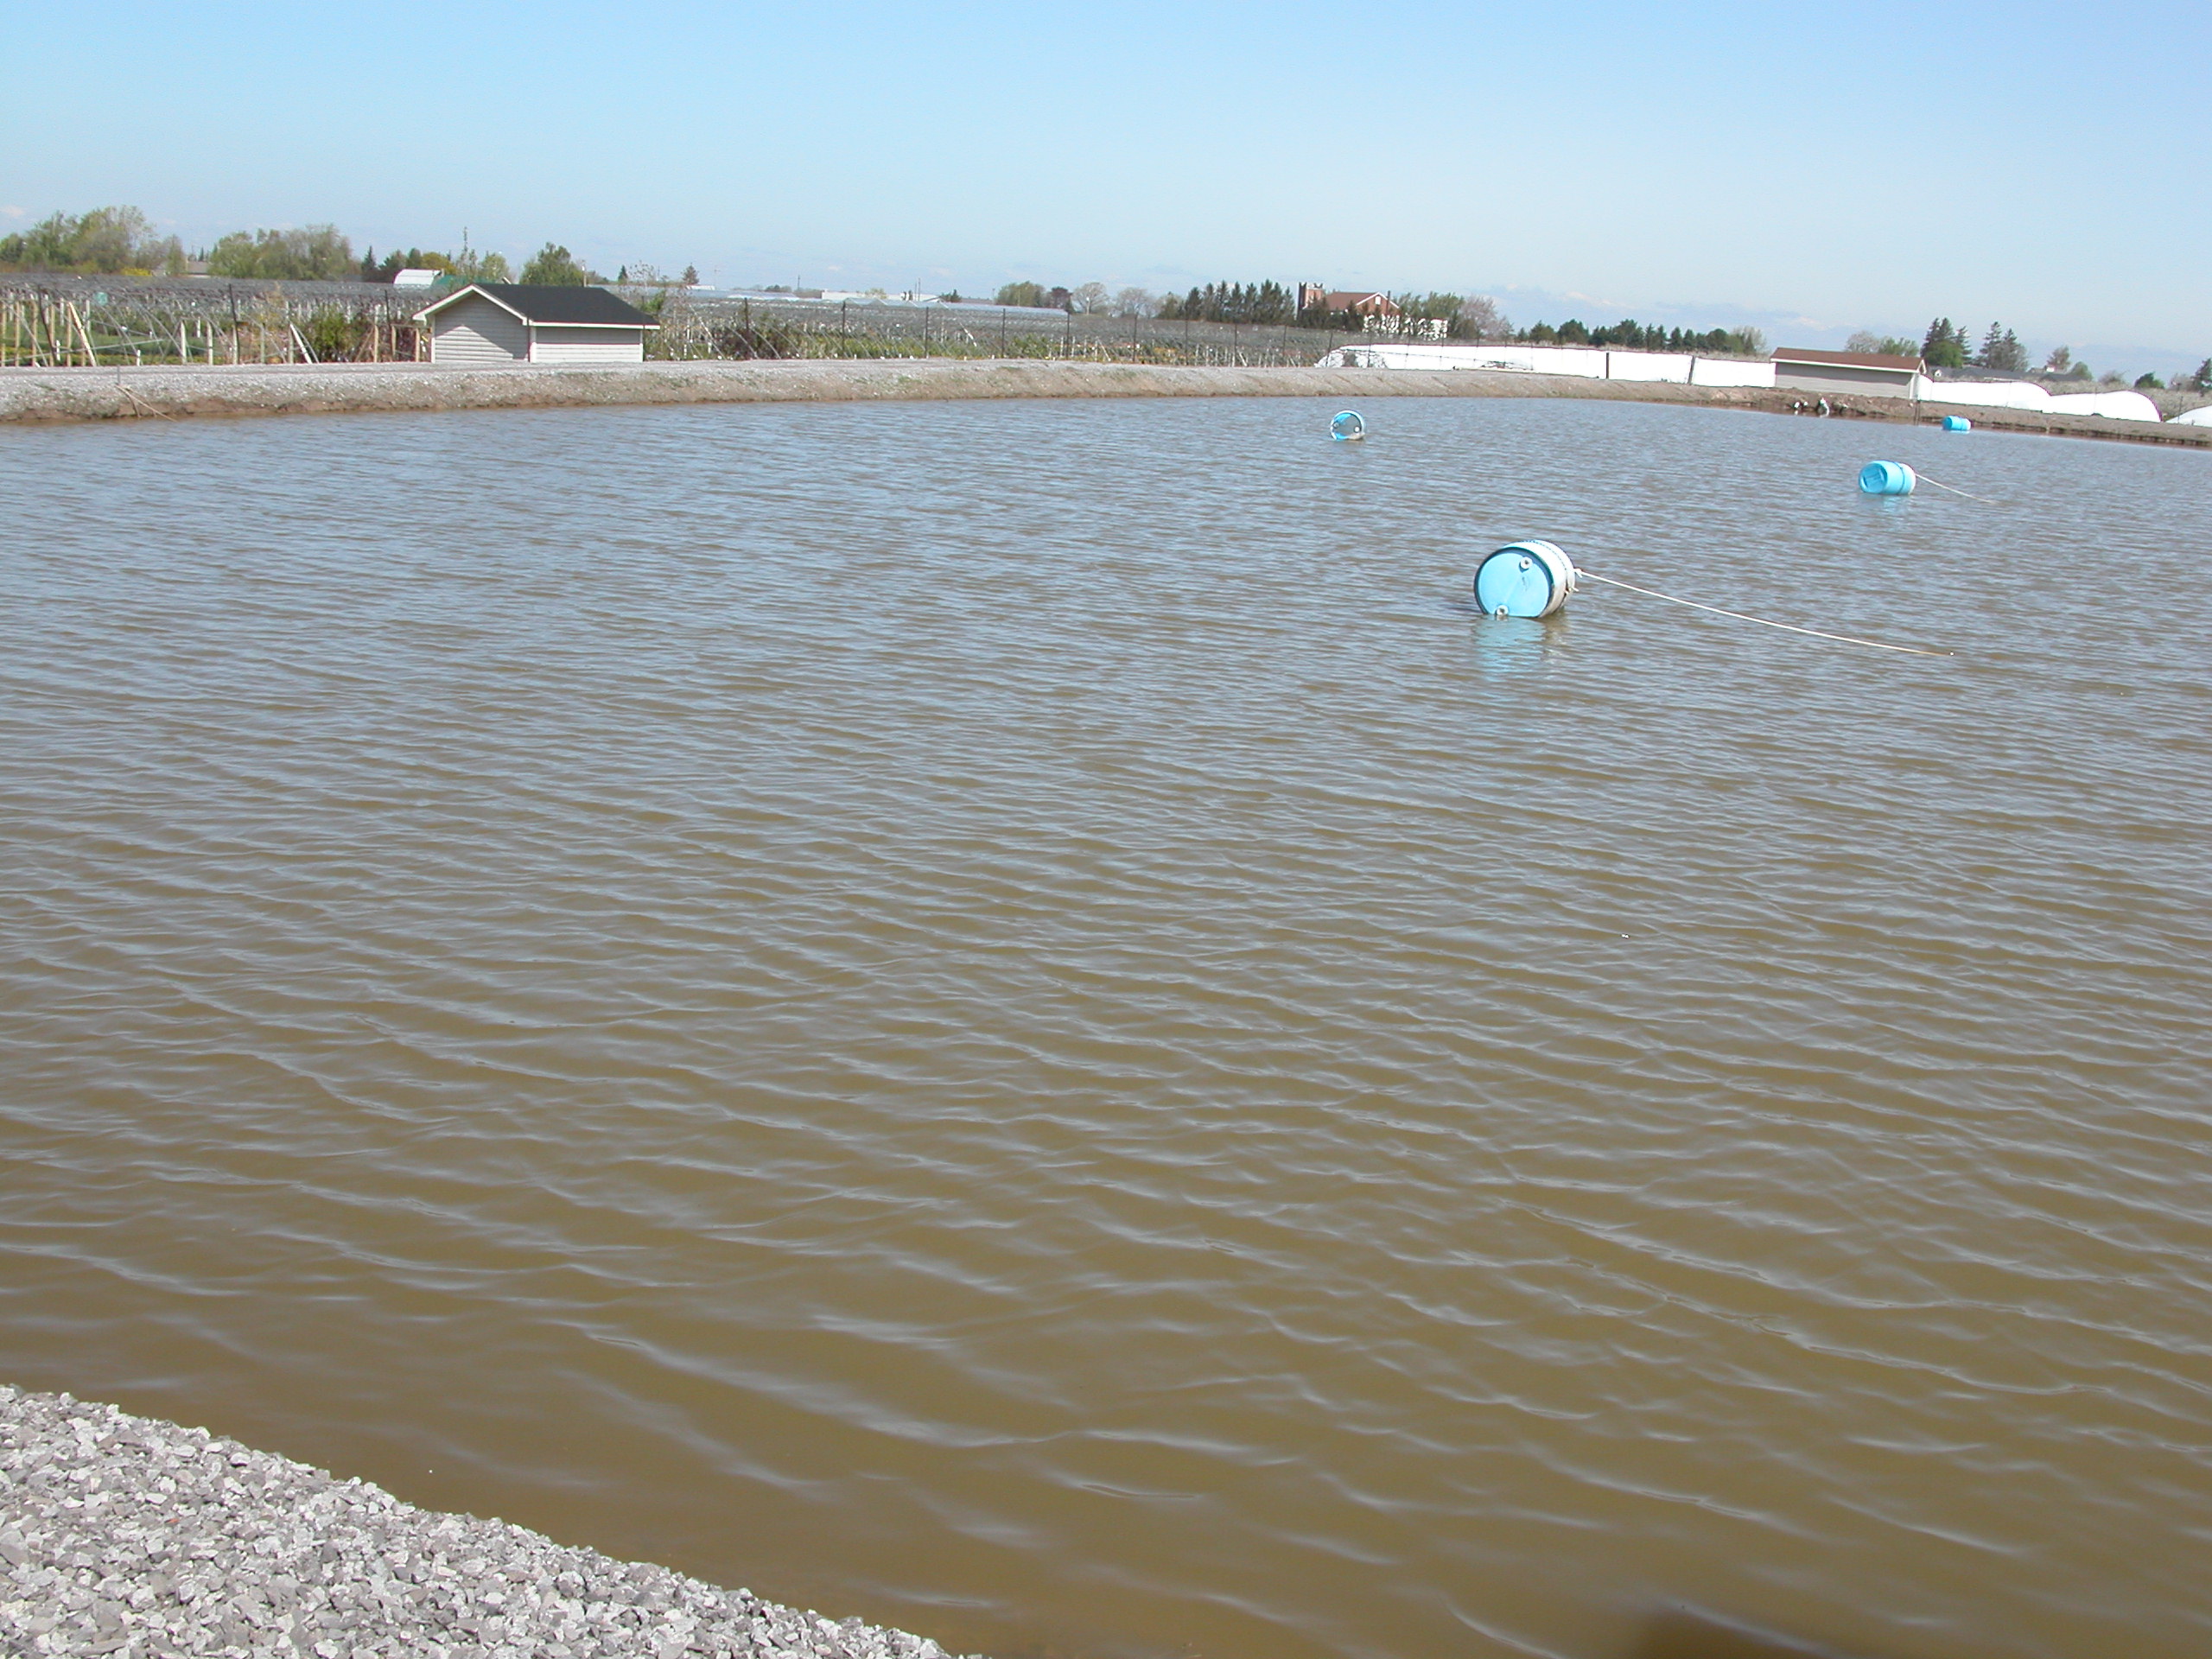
{"points": [[495, 323], [1799, 368]]}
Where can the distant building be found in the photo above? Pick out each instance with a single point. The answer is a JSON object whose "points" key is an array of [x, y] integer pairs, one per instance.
{"points": [[414, 277], [1370, 306], [492, 323], [1798, 368], [1314, 296]]}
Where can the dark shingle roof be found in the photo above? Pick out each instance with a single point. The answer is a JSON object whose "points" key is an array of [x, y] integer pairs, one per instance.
{"points": [[591, 306]]}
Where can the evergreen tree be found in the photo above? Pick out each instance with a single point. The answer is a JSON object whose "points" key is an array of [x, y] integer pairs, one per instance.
{"points": [[2001, 349], [1945, 346]]}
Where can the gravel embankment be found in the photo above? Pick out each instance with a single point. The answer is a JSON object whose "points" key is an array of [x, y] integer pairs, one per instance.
{"points": [[41, 395], [123, 1536]]}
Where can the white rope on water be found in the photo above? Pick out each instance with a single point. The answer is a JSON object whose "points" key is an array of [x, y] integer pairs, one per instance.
{"points": [[1787, 627], [1941, 485]]}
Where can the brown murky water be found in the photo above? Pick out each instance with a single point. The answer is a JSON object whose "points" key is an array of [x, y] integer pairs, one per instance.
{"points": [[1008, 1019]]}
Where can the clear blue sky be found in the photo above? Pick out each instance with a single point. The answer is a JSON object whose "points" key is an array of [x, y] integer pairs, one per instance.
{"points": [[1815, 168]]}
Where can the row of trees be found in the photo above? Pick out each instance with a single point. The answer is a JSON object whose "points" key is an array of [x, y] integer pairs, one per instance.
{"points": [[120, 241], [1092, 299], [1946, 346], [1257, 303], [109, 241], [1630, 335], [1450, 316], [315, 253]]}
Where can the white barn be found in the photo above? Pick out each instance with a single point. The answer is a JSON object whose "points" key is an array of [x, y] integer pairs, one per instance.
{"points": [[489, 324]]}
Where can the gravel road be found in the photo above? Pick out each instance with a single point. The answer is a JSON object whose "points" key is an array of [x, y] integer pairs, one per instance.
{"points": [[123, 1536]]}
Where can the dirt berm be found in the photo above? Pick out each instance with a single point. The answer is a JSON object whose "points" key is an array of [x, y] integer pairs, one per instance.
{"points": [[112, 394]]}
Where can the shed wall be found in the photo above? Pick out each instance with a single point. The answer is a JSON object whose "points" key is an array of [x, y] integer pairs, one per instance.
{"points": [[611, 344], [478, 332], [1844, 377]]}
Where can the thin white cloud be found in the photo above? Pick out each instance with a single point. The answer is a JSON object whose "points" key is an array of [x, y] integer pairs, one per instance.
{"points": [[14, 213]]}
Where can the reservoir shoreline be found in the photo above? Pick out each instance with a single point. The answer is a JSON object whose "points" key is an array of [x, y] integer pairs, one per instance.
{"points": [[44, 396], [124, 1532]]}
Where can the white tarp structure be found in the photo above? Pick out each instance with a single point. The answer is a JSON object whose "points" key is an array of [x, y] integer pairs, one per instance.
{"points": [[1730, 372], [2112, 405], [1982, 394], [2026, 394], [2196, 416], [1585, 362], [1531, 360], [1590, 362], [1671, 366]]}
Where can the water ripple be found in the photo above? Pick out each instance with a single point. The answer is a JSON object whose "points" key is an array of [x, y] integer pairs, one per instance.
{"points": [[1012, 1019]]}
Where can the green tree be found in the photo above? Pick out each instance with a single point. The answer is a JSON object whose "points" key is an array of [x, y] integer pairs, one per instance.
{"points": [[312, 253], [1881, 345], [1478, 318], [553, 266], [2001, 349], [2199, 378], [1945, 346], [1029, 293], [116, 239], [2149, 383], [474, 267], [48, 246], [382, 270]]}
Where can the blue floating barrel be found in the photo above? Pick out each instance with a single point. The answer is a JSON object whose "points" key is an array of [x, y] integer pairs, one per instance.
{"points": [[1524, 579], [1347, 427], [1887, 478], [1957, 423]]}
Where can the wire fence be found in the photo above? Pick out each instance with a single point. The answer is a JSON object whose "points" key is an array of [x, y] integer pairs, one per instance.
{"points": [[60, 321], [55, 320], [709, 325]]}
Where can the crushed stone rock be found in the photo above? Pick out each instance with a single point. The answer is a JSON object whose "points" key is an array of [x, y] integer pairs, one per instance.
{"points": [[124, 1535]]}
